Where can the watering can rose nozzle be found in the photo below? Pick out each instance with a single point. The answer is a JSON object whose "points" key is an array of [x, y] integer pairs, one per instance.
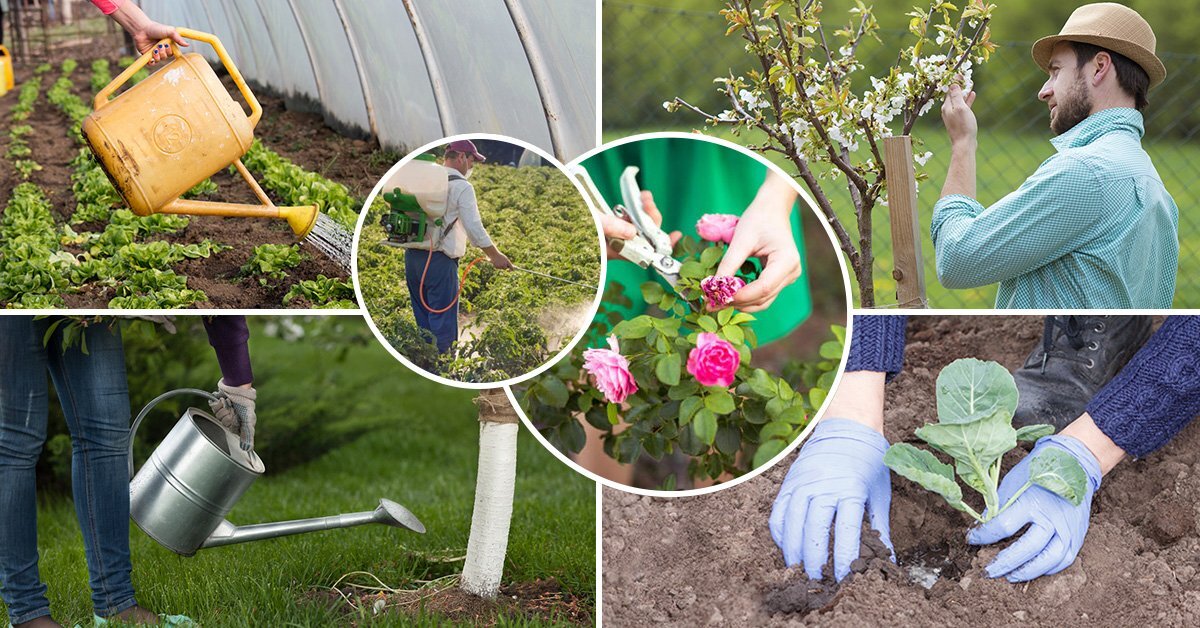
{"points": [[301, 219]]}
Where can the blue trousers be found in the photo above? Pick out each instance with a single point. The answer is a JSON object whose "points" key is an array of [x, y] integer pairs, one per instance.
{"points": [[441, 285], [95, 399]]}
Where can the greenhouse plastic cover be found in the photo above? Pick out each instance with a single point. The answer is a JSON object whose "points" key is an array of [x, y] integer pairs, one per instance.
{"points": [[413, 71]]}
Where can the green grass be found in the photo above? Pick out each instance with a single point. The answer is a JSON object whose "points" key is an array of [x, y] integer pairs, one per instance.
{"points": [[1005, 159], [420, 450]]}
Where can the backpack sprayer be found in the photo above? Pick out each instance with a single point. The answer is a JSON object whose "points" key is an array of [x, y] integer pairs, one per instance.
{"points": [[415, 218]]}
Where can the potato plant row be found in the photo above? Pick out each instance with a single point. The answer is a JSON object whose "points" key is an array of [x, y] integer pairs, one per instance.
{"points": [[536, 217]]}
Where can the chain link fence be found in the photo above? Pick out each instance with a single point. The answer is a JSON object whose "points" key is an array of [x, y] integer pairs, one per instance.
{"points": [[655, 53]]}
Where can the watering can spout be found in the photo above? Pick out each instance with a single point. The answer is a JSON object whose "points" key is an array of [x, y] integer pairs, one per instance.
{"points": [[301, 219], [387, 513]]}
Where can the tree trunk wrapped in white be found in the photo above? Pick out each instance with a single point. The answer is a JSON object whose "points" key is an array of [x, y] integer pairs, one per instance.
{"points": [[490, 520]]}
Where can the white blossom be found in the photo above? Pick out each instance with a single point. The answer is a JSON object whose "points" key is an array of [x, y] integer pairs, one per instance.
{"points": [[921, 159], [752, 100]]}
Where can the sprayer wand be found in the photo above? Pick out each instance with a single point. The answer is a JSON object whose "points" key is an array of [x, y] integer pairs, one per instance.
{"points": [[534, 272]]}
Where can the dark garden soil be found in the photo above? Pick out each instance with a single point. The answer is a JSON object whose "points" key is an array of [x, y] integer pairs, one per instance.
{"points": [[303, 138], [542, 600], [710, 560]]}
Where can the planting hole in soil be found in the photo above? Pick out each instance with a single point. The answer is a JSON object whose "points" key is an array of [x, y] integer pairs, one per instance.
{"points": [[710, 560]]}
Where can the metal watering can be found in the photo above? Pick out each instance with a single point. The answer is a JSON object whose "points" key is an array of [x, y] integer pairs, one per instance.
{"points": [[182, 493], [175, 129]]}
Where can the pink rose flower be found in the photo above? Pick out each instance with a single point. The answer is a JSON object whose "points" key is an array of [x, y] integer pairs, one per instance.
{"points": [[717, 227], [714, 361], [610, 371], [719, 291]]}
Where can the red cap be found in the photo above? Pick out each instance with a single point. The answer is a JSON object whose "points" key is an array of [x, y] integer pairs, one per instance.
{"points": [[466, 146]]}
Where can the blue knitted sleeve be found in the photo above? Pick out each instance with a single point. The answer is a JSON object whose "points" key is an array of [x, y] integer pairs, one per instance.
{"points": [[877, 344], [1157, 393]]}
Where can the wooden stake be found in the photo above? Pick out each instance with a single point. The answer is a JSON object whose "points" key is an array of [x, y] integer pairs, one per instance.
{"points": [[909, 272]]}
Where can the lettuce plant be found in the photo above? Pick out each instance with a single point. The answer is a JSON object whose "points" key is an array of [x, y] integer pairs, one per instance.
{"points": [[976, 401]]}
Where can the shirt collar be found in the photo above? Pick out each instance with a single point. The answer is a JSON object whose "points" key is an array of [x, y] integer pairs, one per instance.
{"points": [[1100, 124]]}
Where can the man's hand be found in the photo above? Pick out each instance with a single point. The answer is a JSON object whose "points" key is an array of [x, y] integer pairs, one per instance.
{"points": [[616, 228], [500, 261], [764, 231], [235, 411], [960, 121], [838, 474], [1056, 528]]}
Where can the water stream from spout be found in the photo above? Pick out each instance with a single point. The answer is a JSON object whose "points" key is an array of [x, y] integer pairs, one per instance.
{"points": [[331, 239]]}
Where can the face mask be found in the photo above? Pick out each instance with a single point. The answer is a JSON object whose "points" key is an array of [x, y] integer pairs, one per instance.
{"points": [[468, 174]]}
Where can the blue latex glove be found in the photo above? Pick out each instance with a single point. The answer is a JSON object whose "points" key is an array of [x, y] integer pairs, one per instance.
{"points": [[1056, 534], [839, 472]]}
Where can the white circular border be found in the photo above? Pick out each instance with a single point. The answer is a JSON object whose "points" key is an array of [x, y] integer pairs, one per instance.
{"points": [[512, 397], [362, 218]]}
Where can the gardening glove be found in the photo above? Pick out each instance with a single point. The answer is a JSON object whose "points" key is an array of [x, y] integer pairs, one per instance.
{"points": [[840, 472], [1056, 528], [235, 410]]}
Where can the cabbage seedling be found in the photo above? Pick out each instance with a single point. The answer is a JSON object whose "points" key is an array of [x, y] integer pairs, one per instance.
{"points": [[976, 401]]}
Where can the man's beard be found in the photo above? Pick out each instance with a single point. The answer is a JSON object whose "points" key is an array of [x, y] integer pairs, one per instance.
{"points": [[1072, 110]]}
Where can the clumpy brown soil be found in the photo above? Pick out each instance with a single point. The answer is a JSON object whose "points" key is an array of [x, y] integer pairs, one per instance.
{"points": [[710, 560], [301, 137], [542, 600]]}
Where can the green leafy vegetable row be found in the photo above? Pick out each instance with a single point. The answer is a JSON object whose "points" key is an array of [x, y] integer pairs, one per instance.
{"points": [[297, 186]]}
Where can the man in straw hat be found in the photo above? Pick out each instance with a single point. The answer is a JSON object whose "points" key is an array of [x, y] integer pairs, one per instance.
{"points": [[1093, 227]]}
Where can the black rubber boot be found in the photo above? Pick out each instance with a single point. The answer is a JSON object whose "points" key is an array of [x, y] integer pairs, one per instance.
{"points": [[1078, 355]]}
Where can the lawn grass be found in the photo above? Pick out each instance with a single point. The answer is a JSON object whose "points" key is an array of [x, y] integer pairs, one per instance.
{"points": [[1005, 159], [420, 450]]}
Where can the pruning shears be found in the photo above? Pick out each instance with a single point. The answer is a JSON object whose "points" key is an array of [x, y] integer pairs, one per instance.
{"points": [[651, 247]]}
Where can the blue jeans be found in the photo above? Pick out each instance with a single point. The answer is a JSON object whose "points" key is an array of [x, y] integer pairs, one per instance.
{"points": [[441, 285], [95, 400]]}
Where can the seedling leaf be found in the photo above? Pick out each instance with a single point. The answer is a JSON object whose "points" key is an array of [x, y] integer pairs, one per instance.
{"points": [[1056, 471], [1031, 433], [984, 440], [969, 390], [922, 467]]}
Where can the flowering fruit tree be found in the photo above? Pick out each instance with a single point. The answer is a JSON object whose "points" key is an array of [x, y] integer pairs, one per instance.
{"points": [[801, 97]]}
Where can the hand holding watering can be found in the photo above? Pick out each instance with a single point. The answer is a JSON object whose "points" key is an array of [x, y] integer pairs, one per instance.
{"points": [[234, 410]]}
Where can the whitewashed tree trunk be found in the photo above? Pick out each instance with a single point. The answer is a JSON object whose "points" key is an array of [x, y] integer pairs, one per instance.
{"points": [[490, 520]]}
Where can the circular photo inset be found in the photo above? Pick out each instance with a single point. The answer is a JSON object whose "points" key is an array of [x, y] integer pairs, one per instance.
{"points": [[721, 328], [478, 260]]}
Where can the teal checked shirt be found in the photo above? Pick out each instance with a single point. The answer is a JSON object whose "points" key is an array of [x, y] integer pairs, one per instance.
{"points": [[1093, 227]]}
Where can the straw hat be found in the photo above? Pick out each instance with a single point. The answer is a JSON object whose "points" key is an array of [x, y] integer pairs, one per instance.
{"points": [[1108, 25]]}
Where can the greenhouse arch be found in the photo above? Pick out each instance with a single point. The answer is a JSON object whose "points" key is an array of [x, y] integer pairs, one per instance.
{"points": [[408, 72]]}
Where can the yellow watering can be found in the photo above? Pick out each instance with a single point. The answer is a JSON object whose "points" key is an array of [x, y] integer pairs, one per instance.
{"points": [[175, 129], [6, 71]]}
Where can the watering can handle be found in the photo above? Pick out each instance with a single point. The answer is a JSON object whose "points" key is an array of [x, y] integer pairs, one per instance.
{"points": [[102, 98], [154, 402]]}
